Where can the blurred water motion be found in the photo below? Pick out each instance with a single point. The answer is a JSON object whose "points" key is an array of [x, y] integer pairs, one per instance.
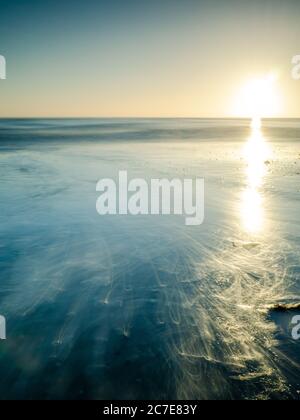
{"points": [[145, 307], [257, 154]]}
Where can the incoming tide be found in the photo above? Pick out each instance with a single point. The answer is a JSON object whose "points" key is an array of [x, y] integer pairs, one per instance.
{"points": [[144, 307]]}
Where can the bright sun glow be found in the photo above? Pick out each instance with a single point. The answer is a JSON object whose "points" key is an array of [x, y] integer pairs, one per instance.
{"points": [[259, 98], [257, 154]]}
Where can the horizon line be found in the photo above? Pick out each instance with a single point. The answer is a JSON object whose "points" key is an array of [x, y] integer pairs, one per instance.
{"points": [[140, 118]]}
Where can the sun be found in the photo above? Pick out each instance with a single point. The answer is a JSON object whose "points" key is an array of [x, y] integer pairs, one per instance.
{"points": [[258, 98]]}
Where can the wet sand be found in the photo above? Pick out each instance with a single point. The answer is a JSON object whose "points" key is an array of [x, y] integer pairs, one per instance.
{"points": [[145, 307]]}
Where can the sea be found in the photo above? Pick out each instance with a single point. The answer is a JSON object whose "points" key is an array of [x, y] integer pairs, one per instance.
{"points": [[144, 307]]}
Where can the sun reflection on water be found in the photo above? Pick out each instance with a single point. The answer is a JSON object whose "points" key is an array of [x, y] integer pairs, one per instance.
{"points": [[256, 153]]}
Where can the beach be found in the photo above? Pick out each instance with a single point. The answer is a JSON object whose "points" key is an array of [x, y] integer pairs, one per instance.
{"points": [[145, 307]]}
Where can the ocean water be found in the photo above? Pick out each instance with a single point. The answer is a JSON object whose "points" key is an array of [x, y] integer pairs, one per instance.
{"points": [[144, 307]]}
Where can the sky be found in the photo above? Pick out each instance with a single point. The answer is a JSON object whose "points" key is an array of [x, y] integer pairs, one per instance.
{"points": [[136, 58]]}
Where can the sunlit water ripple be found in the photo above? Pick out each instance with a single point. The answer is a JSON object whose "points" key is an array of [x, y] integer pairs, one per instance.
{"points": [[145, 307]]}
